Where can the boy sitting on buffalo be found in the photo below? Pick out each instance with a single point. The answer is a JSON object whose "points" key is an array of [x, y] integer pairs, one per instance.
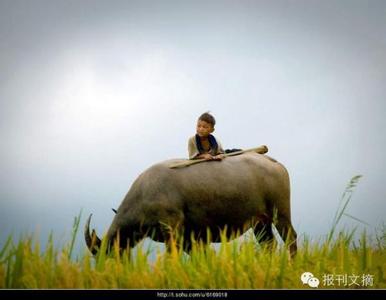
{"points": [[203, 144]]}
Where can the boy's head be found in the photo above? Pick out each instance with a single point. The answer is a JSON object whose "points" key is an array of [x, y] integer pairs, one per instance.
{"points": [[205, 124]]}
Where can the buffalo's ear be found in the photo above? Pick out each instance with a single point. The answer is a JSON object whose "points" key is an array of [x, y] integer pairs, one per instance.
{"points": [[114, 210]]}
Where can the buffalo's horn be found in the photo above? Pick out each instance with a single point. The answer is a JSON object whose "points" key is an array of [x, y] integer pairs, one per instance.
{"points": [[114, 210], [92, 241]]}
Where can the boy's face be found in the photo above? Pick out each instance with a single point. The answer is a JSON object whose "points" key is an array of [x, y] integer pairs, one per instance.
{"points": [[203, 128]]}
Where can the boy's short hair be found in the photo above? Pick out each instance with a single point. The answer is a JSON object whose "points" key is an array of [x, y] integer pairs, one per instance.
{"points": [[208, 118]]}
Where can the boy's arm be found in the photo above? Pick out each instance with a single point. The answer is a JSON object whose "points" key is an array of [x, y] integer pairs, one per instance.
{"points": [[192, 149], [220, 151]]}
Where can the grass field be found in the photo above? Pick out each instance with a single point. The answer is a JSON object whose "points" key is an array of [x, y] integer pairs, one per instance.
{"points": [[337, 261]]}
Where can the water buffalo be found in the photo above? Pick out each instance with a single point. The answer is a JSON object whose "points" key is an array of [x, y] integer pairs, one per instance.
{"points": [[239, 192]]}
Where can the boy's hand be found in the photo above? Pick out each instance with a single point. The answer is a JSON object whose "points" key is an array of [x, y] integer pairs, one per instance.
{"points": [[206, 156], [218, 157]]}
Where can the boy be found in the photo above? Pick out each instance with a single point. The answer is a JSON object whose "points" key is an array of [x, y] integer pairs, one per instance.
{"points": [[204, 144]]}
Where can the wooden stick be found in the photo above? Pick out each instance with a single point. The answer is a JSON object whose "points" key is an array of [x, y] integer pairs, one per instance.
{"points": [[262, 149]]}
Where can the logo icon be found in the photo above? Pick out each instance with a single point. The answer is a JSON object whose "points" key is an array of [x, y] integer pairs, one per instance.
{"points": [[308, 278]]}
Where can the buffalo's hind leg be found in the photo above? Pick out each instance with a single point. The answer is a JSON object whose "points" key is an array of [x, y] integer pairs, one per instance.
{"points": [[287, 233]]}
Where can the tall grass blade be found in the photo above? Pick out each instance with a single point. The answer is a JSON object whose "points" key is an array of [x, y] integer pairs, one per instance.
{"points": [[356, 219], [75, 228], [364, 253], [5, 248], [346, 198], [17, 268]]}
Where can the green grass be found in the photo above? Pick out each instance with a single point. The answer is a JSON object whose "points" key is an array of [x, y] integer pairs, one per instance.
{"points": [[235, 265]]}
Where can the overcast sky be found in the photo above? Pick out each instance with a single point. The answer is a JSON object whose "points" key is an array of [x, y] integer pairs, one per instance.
{"points": [[94, 92]]}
